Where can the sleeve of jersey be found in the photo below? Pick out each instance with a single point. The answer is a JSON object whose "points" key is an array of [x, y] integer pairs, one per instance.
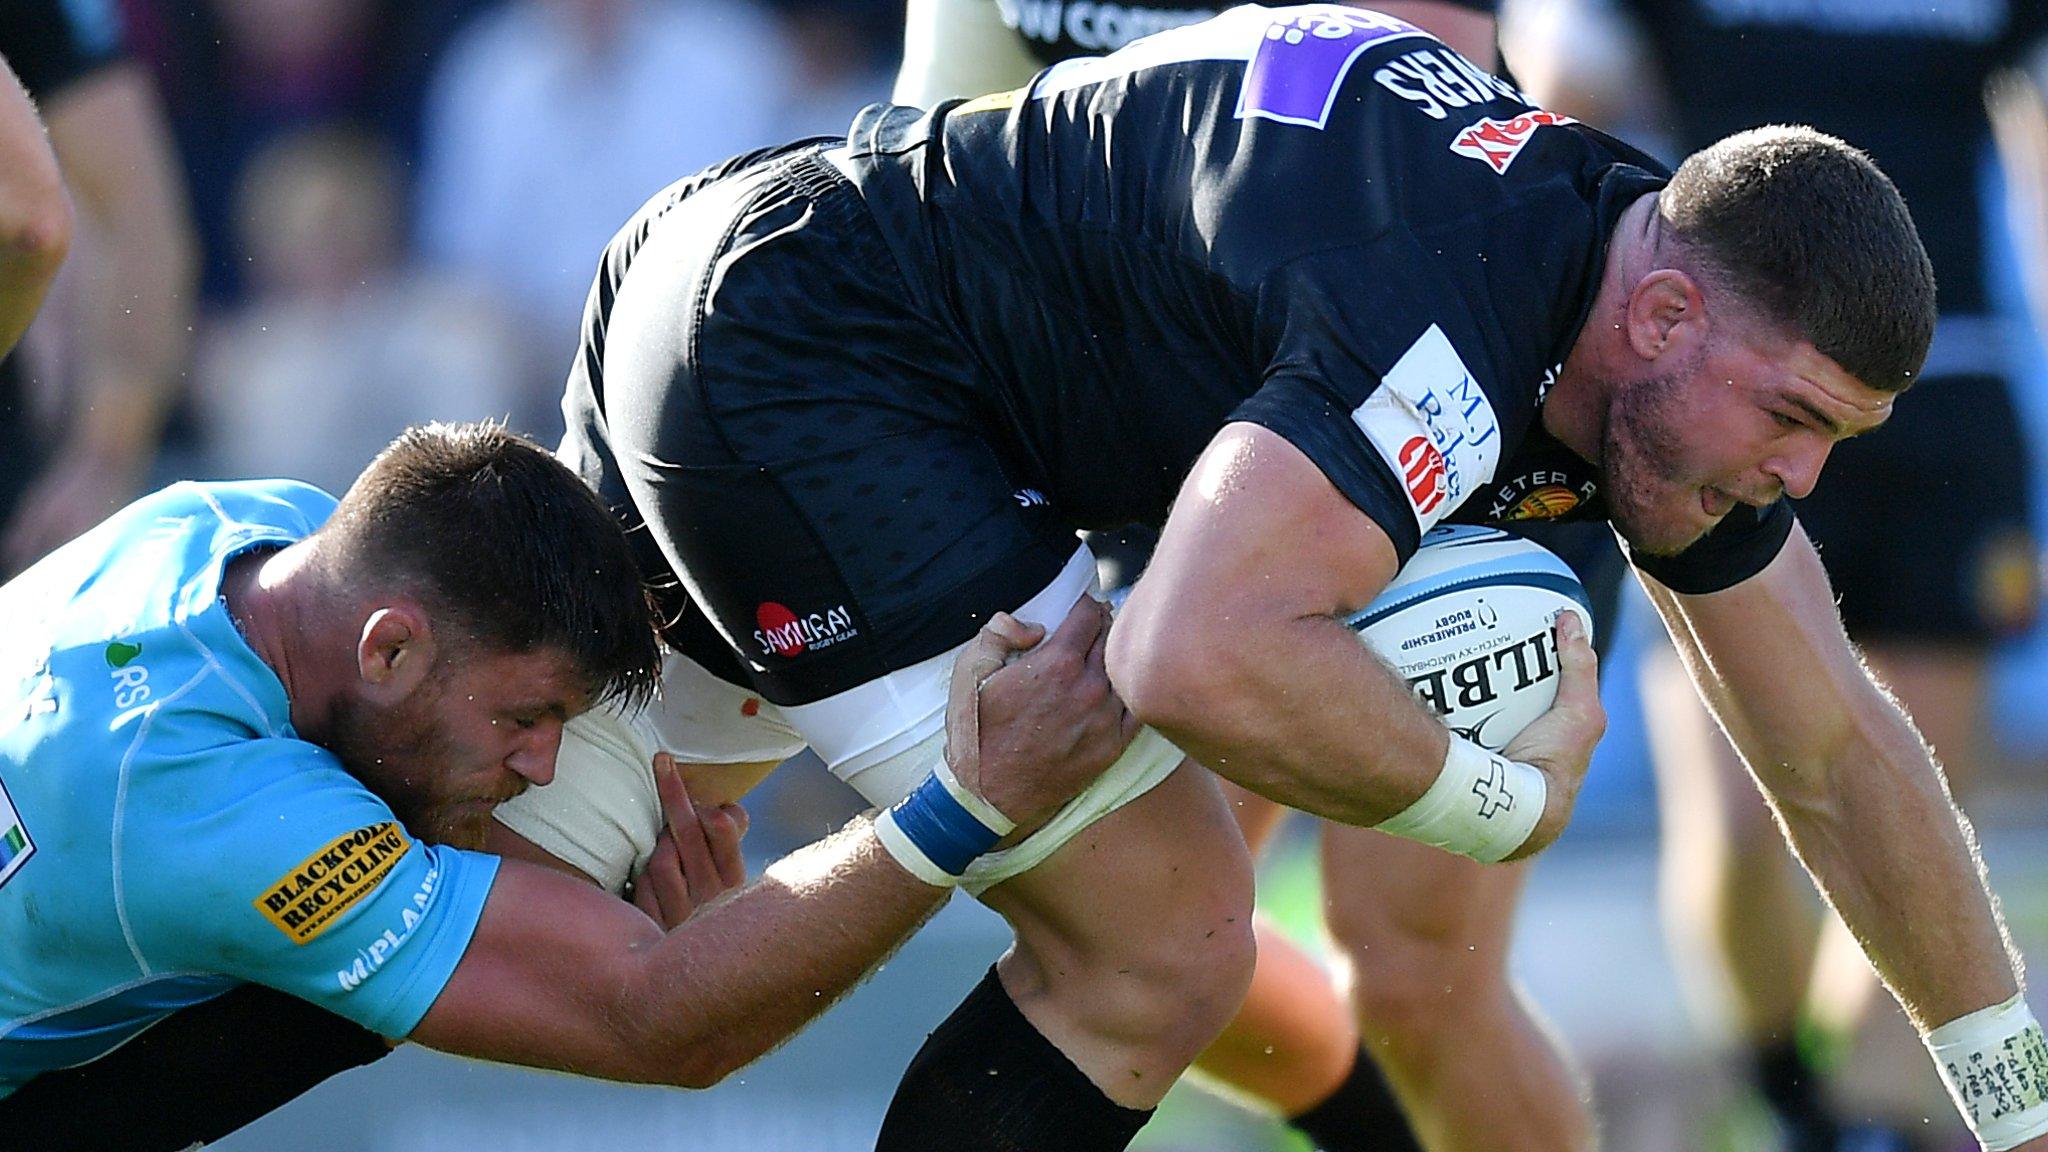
{"points": [[310, 885], [50, 43], [1743, 544], [1307, 415]]}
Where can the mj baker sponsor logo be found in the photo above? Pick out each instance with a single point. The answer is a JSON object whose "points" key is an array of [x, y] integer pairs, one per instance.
{"points": [[781, 632], [306, 901], [1433, 425], [1496, 143]]}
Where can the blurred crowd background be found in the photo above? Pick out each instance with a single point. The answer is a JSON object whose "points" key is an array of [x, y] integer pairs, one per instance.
{"points": [[396, 207]]}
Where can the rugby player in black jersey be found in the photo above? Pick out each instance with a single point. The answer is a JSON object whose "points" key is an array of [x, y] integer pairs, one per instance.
{"points": [[1294, 1046], [1315, 282], [1908, 84]]}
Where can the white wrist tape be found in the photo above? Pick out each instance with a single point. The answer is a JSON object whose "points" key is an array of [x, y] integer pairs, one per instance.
{"points": [[1482, 805], [1995, 1063], [941, 828]]}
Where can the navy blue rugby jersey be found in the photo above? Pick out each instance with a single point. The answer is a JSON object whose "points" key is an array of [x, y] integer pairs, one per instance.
{"points": [[1901, 79], [1319, 219], [1054, 30]]}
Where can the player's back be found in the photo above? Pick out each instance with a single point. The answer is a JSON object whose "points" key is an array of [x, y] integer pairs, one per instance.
{"points": [[1134, 244]]}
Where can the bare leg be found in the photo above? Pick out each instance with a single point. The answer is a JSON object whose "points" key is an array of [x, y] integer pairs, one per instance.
{"points": [[1738, 912], [1293, 1042], [1134, 942], [1426, 937]]}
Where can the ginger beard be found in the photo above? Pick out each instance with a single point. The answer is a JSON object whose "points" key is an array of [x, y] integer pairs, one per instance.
{"points": [[409, 756]]}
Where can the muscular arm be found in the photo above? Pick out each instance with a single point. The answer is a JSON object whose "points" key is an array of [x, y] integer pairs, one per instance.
{"points": [[561, 975], [35, 215], [1861, 799], [112, 141], [1231, 643]]}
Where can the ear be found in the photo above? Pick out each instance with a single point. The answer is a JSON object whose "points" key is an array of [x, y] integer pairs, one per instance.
{"points": [[395, 650], [1667, 313]]}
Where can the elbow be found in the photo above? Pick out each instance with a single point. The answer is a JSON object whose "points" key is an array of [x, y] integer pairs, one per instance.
{"points": [[38, 237], [1174, 679], [698, 1051], [703, 1070]]}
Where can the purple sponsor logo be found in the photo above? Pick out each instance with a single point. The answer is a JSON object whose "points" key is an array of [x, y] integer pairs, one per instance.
{"points": [[1294, 75]]}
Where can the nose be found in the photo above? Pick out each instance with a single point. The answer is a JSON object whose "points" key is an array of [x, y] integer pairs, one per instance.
{"points": [[534, 757], [1798, 466]]}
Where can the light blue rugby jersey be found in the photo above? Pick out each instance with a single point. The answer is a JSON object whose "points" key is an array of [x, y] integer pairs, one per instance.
{"points": [[164, 833]]}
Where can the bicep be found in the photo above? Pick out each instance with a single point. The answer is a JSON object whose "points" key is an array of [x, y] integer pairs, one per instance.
{"points": [[537, 982], [1257, 533]]}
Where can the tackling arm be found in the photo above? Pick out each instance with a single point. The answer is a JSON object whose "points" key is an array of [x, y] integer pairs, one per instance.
{"points": [[561, 975]]}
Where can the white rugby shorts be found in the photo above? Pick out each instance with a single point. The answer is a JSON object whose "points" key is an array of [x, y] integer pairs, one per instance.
{"points": [[601, 812]]}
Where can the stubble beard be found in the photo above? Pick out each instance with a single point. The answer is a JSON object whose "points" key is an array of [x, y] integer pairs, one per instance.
{"points": [[404, 760], [1639, 461]]}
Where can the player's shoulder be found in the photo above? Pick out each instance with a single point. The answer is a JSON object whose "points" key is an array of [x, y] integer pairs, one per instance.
{"points": [[132, 617]]}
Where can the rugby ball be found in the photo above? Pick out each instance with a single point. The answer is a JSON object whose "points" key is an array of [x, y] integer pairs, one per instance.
{"points": [[1467, 621]]}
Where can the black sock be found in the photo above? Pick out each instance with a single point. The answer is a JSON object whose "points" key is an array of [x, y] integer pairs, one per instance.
{"points": [[1793, 1090], [1361, 1115], [987, 1081]]}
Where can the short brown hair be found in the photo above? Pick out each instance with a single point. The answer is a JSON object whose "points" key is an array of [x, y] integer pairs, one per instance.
{"points": [[1808, 230], [501, 540]]}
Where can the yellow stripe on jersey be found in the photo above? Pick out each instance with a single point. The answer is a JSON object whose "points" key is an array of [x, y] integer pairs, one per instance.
{"points": [[993, 102]]}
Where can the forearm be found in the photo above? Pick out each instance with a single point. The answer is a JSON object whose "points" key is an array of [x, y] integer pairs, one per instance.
{"points": [[1301, 713], [608, 994], [35, 215], [1887, 846], [1860, 796]]}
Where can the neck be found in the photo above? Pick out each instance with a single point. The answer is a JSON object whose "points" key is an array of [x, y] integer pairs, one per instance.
{"points": [[274, 596], [1575, 411]]}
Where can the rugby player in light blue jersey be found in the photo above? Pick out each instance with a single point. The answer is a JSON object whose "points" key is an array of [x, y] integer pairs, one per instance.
{"points": [[252, 735]]}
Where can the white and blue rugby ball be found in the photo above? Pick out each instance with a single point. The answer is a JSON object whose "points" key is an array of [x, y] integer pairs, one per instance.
{"points": [[1467, 621]]}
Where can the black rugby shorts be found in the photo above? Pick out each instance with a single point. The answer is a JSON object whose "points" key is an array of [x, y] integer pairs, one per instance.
{"points": [[805, 446]]}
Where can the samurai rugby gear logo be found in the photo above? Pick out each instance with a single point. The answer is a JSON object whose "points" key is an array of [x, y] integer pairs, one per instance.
{"points": [[306, 901], [783, 633]]}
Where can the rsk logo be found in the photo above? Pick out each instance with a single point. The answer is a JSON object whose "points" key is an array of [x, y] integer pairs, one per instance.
{"points": [[783, 633], [1498, 142], [1422, 469]]}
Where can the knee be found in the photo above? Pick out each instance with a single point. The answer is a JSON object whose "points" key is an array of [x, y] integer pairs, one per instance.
{"points": [[1410, 980], [1168, 993]]}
